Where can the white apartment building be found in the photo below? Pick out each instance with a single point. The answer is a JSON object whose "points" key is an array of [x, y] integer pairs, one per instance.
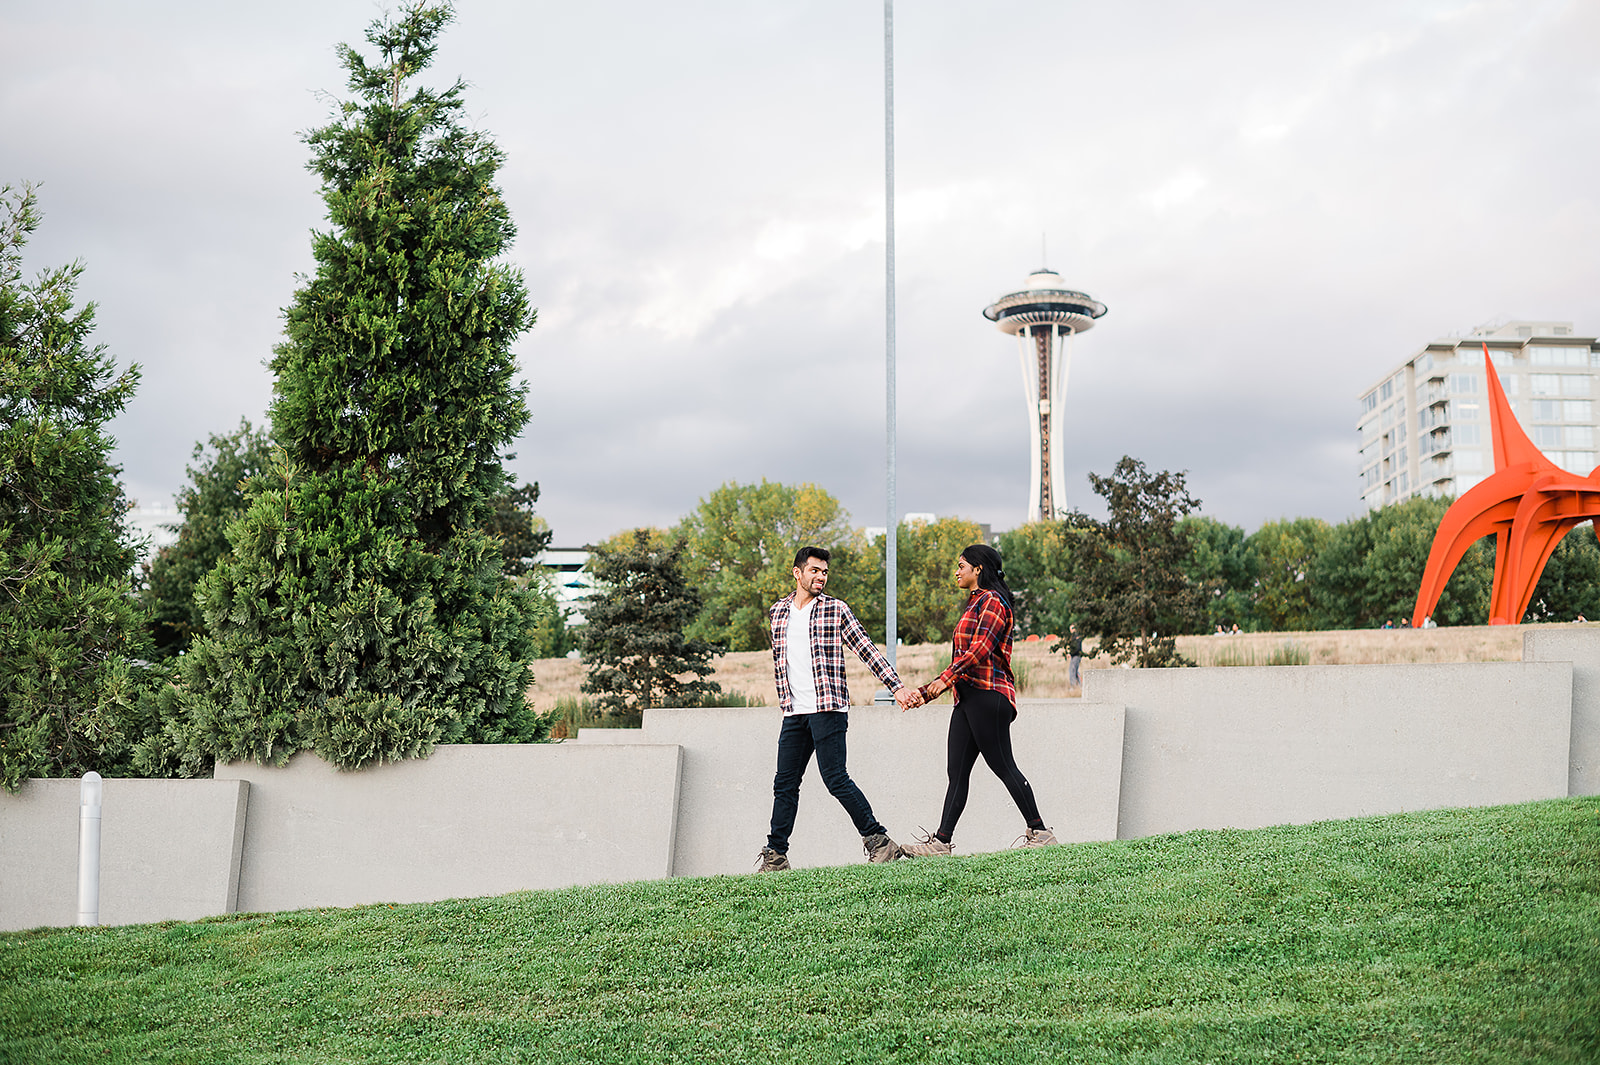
{"points": [[1424, 427]]}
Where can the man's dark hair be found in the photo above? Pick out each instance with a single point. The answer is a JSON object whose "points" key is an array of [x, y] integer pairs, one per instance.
{"points": [[819, 553]]}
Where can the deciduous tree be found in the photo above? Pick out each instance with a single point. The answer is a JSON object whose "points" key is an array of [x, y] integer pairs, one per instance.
{"points": [[1136, 596], [1369, 568], [927, 602], [1224, 565], [1039, 570], [1285, 553], [740, 547]]}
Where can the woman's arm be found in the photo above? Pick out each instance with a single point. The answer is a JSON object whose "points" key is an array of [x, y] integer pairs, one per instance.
{"points": [[991, 625]]}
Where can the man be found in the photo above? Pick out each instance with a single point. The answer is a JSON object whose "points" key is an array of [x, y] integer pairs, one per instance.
{"points": [[1075, 656], [809, 634]]}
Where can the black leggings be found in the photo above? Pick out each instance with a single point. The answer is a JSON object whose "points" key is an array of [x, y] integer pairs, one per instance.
{"points": [[981, 724]]}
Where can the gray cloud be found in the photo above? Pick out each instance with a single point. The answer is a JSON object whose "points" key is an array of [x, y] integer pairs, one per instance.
{"points": [[1278, 202]]}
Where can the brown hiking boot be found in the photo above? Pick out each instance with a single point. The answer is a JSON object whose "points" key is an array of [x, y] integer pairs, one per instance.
{"points": [[929, 846], [770, 861], [1037, 837], [880, 848]]}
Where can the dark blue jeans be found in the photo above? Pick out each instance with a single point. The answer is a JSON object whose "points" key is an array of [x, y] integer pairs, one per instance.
{"points": [[822, 734]]}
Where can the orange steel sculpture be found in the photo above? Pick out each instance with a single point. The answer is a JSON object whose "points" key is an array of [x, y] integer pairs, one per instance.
{"points": [[1528, 503]]}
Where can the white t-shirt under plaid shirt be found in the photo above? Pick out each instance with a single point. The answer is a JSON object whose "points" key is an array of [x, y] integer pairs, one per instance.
{"points": [[802, 682], [832, 628]]}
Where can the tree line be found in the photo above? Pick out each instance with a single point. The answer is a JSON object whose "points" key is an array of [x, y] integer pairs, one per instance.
{"points": [[1152, 569]]}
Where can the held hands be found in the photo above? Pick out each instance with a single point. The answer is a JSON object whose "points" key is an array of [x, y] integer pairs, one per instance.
{"points": [[909, 698]]}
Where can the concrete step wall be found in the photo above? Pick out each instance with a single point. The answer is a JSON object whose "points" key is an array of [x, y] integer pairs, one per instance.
{"points": [[690, 794]]}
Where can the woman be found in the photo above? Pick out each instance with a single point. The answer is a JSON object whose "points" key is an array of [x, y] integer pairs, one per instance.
{"points": [[986, 701]]}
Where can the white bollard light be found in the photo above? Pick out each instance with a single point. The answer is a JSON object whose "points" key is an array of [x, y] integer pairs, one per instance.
{"points": [[89, 792]]}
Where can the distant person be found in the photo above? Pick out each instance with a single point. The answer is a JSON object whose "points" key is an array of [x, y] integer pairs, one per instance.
{"points": [[1075, 656], [1429, 623], [1236, 631], [810, 631], [986, 702]]}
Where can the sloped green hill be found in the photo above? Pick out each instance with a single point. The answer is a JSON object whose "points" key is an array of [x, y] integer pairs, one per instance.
{"points": [[1455, 936]]}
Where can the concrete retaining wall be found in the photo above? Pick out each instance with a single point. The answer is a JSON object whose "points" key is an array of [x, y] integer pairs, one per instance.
{"points": [[1261, 745], [469, 820], [1071, 754], [690, 794], [1581, 647], [169, 850]]}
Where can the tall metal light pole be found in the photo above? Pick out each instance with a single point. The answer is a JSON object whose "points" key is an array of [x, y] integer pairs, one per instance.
{"points": [[891, 624]]}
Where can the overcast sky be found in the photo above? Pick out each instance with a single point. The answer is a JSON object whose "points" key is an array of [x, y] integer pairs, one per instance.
{"points": [[1278, 202]]}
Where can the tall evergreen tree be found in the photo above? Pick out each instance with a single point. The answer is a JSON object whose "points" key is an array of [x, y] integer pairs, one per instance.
{"points": [[635, 647], [68, 624], [212, 500], [523, 534], [363, 611]]}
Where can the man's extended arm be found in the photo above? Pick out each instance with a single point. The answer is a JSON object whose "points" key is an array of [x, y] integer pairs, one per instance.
{"points": [[856, 638]]}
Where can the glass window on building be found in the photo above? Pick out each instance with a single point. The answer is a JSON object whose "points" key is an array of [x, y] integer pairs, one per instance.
{"points": [[1575, 384], [1463, 384], [1545, 410], [1461, 411], [1574, 461], [1563, 356], [1469, 459], [1545, 436], [1578, 436], [1544, 384], [1468, 434], [1578, 410]]}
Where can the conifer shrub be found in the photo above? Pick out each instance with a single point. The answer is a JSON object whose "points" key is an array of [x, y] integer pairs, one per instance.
{"points": [[69, 630], [363, 611]]}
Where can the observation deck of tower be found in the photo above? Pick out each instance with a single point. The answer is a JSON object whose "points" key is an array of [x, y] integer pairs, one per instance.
{"points": [[1044, 317]]}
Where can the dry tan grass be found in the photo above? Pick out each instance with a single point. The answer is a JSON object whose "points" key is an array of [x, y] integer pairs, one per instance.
{"points": [[750, 672]]}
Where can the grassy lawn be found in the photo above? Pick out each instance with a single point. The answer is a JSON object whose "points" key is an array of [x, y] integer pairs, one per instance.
{"points": [[1457, 936]]}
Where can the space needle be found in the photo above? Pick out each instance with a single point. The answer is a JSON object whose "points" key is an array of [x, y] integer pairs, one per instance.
{"points": [[1044, 317]]}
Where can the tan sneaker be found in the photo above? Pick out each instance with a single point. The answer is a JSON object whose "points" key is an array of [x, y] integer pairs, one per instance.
{"points": [[1037, 837], [880, 848], [929, 846], [770, 861]]}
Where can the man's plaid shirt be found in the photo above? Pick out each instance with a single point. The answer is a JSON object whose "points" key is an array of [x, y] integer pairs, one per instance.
{"points": [[980, 649], [833, 628]]}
